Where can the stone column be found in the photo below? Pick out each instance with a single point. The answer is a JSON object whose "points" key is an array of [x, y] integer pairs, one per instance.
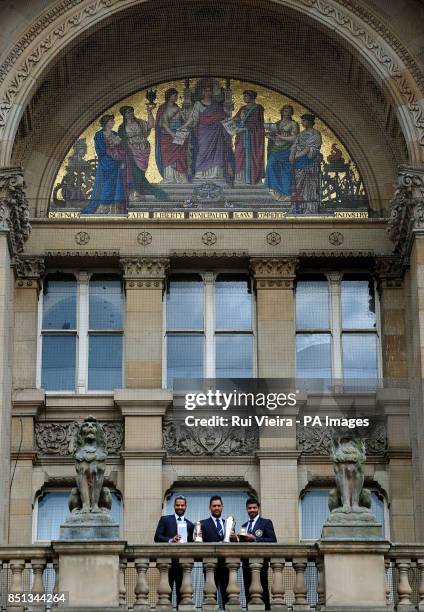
{"points": [[275, 311], [406, 229], [29, 271], [143, 411], [14, 230], [144, 285]]}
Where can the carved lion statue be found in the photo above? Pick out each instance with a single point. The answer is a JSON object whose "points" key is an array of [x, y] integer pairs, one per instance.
{"points": [[90, 458]]}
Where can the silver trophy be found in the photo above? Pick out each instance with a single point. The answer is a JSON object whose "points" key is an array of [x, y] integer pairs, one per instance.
{"points": [[230, 524]]}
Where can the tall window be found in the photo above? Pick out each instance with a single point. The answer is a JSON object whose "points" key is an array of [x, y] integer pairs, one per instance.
{"points": [[209, 326], [337, 331], [81, 333]]}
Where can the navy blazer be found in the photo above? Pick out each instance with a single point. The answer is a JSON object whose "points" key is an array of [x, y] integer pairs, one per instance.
{"points": [[210, 531], [167, 529], [266, 527]]}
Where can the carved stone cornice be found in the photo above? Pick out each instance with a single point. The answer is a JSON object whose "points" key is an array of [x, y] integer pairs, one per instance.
{"points": [[274, 272], [407, 210], [144, 272], [14, 211], [389, 272], [29, 271]]}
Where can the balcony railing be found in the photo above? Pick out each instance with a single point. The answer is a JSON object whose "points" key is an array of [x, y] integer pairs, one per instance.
{"points": [[296, 577]]}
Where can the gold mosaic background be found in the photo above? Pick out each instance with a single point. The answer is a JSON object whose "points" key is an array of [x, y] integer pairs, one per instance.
{"points": [[270, 100]]}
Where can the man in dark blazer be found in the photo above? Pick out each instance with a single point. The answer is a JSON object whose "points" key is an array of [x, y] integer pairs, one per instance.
{"points": [[167, 531], [258, 529], [213, 530]]}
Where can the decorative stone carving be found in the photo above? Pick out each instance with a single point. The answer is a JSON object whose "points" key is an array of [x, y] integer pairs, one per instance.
{"points": [[407, 210], [29, 271], [144, 238], [209, 238], [90, 502], [182, 440], [145, 272], [82, 238], [317, 441], [274, 272], [14, 212], [55, 438], [389, 271], [336, 238], [273, 238], [349, 503]]}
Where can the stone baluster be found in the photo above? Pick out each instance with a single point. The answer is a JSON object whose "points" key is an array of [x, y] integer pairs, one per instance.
{"points": [[122, 585], [141, 586], [256, 590], [209, 600], [321, 584], [17, 567], [56, 578], [387, 568], [38, 567], [300, 590], [233, 589], [404, 588], [164, 590], [277, 587], [187, 603], [420, 564]]}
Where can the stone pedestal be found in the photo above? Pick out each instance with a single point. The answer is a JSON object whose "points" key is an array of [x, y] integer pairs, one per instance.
{"points": [[361, 526], [89, 526], [355, 577], [89, 574]]}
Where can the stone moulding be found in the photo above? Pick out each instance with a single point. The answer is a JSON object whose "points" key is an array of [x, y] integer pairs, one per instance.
{"points": [[55, 26], [53, 438], [14, 211]]}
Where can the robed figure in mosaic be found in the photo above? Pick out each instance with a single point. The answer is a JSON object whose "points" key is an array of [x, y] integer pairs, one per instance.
{"points": [[134, 133], [306, 158], [213, 157], [171, 157], [250, 141], [279, 172], [109, 193]]}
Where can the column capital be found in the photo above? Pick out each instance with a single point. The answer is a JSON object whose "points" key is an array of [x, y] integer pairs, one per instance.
{"points": [[144, 272], [389, 272], [29, 271], [274, 272], [407, 210], [14, 210]]}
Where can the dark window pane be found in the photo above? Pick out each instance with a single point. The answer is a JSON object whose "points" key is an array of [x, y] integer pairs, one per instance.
{"points": [[312, 304], [105, 302], [233, 302], [58, 362], [184, 303], [358, 303], [104, 362], [184, 356], [313, 356], [234, 356], [359, 356], [60, 303]]}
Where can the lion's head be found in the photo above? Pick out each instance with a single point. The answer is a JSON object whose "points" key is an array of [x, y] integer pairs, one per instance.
{"points": [[90, 433]]}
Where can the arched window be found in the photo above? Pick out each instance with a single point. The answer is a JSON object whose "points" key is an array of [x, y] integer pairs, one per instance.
{"points": [[51, 510], [314, 512]]}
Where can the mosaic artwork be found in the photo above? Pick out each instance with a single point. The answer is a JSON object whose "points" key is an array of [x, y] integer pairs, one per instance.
{"points": [[209, 144]]}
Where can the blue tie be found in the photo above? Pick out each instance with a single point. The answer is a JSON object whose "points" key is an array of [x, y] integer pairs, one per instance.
{"points": [[250, 525], [219, 528]]}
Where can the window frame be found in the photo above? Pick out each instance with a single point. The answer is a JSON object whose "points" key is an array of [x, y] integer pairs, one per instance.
{"points": [[209, 331], [82, 332], [336, 329]]}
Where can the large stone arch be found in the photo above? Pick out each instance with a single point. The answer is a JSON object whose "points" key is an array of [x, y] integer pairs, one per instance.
{"points": [[385, 57]]}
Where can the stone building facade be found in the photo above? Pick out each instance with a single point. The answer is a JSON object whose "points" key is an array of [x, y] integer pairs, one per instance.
{"points": [[359, 67]]}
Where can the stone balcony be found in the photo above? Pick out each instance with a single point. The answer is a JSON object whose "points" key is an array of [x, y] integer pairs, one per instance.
{"points": [[136, 577]]}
